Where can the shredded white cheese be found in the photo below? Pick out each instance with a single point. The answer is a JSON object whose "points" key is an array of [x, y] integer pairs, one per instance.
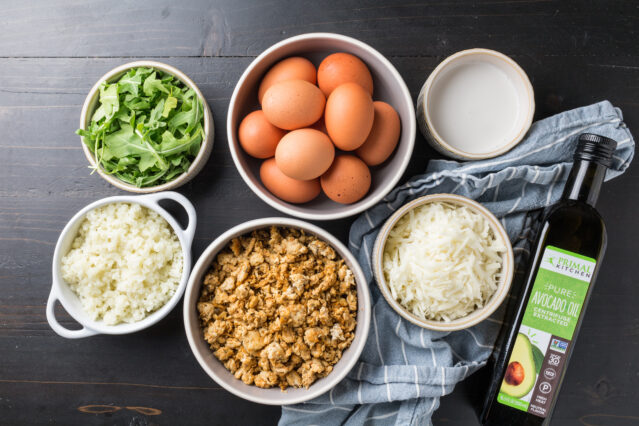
{"points": [[442, 261]]}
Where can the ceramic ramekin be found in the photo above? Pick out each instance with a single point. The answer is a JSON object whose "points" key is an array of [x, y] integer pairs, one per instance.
{"points": [[389, 87], [216, 370], [60, 290], [206, 146], [502, 63], [474, 317]]}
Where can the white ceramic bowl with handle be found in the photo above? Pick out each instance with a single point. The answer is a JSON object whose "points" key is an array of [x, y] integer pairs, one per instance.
{"points": [[216, 370], [389, 88], [60, 290]]}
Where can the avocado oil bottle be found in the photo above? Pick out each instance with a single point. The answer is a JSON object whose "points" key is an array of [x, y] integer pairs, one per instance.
{"points": [[568, 251]]}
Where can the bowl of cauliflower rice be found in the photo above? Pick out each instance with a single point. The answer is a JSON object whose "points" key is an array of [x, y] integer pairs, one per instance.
{"points": [[121, 264]]}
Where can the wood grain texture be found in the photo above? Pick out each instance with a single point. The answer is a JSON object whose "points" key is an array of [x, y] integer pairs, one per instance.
{"points": [[246, 27], [575, 53]]}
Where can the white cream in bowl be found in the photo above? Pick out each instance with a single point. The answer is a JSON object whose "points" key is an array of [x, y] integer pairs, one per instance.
{"points": [[476, 104]]}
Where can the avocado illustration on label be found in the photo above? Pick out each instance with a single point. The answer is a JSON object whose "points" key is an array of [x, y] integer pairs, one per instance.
{"points": [[538, 356], [521, 371]]}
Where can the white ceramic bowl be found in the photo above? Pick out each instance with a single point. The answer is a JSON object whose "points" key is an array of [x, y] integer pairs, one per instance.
{"points": [[70, 301], [206, 145], [474, 317], [476, 128], [389, 87], [216, 369]]}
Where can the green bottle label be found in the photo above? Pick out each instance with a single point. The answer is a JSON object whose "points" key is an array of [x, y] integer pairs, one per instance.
{"points": [[546, 331]]}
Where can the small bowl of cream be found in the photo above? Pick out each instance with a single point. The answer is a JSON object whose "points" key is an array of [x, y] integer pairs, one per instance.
{"points": [[476, 104]]}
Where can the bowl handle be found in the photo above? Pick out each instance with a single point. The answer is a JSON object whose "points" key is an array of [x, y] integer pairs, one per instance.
{"points": [[189, 232], [55, 325]]}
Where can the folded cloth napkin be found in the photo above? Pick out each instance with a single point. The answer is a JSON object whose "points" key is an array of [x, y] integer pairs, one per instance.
{"points": [[404, 369]]}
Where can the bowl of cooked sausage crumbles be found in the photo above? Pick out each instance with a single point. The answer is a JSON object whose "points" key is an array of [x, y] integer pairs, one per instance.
{"points": [[277, 311]]}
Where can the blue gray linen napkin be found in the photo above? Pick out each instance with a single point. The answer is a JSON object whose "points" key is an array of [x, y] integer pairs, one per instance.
{"points": [[404, 370]]}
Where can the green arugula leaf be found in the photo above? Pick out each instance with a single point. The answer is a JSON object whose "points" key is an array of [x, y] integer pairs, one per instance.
{"points": [[99, 114], [137, 103], [146, 161], [125, 142], [123, 114], [190, 117], [109, 99], [155, 117], [169, 105], [152, 85], [130, 82], [106, 154], [170, 145], [176, 160]]}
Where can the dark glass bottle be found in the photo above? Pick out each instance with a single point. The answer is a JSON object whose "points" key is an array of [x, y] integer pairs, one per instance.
{"points": [[568, 251]]}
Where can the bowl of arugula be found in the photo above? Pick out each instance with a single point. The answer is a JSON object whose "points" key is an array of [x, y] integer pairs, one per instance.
{"points": [[146, 127]]}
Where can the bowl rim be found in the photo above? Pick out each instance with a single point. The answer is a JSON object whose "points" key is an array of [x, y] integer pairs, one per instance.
{"points": [[193, 330], [386, 187], [90, 326], [205, 148], [507, 146], [477, 315]]}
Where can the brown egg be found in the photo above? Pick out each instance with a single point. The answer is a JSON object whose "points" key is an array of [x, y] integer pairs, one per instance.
{"points": [[347, 181], [293, 104], [286, 188], [258, 136], [349, 116], [384, 135], [295, 68], [340, 68], [304, 154]]}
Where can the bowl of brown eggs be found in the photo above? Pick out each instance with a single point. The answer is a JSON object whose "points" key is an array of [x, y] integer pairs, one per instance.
{"points": [[321, 126]]}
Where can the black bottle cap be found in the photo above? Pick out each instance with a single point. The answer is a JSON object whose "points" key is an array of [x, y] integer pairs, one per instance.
{"points": [[595, 148]]}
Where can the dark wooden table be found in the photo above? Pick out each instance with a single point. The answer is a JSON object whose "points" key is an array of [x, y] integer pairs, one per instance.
{"points": [[51, 52]]}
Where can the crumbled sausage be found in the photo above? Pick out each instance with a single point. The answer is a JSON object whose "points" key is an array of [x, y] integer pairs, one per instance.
{"points": [[294, 379], [278, 307], [252, 341], [266, 379]]}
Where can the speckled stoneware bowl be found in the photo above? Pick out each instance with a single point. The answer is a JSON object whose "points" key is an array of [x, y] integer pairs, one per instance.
{"points": [[389, 87], [206, 146], [216, 369], [474, 317], [60, 290]]}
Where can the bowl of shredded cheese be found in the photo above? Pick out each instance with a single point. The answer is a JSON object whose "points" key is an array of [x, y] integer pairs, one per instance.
{"points": [[443, 262]]}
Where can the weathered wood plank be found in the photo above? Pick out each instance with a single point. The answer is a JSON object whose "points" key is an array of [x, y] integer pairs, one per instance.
{"points": [[127, 404], [246, 27]]}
